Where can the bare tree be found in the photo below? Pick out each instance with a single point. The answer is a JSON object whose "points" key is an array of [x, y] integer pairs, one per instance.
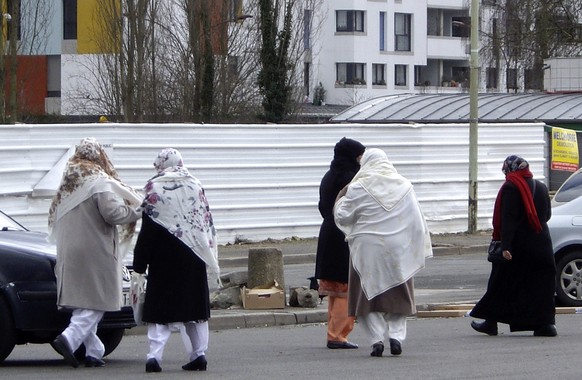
{"points": [[522, 33]]}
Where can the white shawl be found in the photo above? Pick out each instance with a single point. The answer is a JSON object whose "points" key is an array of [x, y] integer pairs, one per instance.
{"points": [[384, 226]]}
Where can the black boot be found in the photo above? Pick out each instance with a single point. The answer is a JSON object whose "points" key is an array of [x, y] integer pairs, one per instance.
{"points": [[485, 327]]}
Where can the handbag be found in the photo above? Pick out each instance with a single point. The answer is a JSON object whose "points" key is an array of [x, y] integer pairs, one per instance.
{"points": [[494, 252], [137, 291]]}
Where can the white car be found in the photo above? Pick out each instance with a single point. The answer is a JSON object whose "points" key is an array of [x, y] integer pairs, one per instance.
{"points": [[566, 230]]}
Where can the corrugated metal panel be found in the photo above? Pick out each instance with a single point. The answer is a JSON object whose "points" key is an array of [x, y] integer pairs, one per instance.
{"points": [[453, 108], [262, 180]]}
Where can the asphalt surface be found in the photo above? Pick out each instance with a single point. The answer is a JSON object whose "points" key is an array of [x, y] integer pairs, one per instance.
{"points": [[461, 250]]}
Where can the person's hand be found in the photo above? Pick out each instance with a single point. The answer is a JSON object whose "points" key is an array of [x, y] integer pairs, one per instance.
{"points": [[341, 193], [507, 255]]}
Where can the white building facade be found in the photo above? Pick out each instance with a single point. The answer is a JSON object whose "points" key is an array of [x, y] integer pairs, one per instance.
{"points": [[369, 48]]}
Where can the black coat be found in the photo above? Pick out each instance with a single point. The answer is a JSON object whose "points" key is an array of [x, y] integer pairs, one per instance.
{"points": [[177, 286], [520, 292], [333, 254]]}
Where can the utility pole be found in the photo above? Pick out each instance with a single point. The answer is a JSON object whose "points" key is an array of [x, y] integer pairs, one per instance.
{"points": [[474, 117]]}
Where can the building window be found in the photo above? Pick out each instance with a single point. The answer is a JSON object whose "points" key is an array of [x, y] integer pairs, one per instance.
{"points": [[70, 19], [14, 7], [531, 81], [349, 21], [491, 73], [511, 78], [350, 73], [400, 75], [382, 28], [461, 27], [378, 74], [307, 29], [306, 79], [402, 31], [236, 9], [420, 76]]}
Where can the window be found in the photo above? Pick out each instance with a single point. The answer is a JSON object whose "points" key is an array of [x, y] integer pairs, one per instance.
{"points": [[70, 19], [491, 73], [14, 7], [420, 76], [400, 75], [306, 69], [350, 73], [382, 28], [532, 81], [378, 74], [402, 31], [511, 78], [461, 27], [236, 9], [349, 21], [307, 29]]}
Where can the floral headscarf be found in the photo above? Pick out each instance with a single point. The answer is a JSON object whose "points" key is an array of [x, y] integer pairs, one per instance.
{"points": [[176, 200], [88, 165]]}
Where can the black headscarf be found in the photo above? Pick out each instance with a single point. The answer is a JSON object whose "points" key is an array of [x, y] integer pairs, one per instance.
{"points": [[345, 153]]}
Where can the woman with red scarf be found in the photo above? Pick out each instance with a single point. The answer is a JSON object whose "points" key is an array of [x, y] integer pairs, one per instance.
{"points": [[521, 288]]}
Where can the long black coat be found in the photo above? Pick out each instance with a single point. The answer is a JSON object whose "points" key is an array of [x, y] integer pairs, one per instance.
{"points": [[177, 286], [333, 254], [520, 292]]}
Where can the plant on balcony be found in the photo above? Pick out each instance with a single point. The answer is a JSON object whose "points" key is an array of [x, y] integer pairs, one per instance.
{"points": [[319, 95]]}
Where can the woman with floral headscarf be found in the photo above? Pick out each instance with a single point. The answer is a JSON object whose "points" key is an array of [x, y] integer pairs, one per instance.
{"points": [[177, 247], [90, 216], [520, 291]]}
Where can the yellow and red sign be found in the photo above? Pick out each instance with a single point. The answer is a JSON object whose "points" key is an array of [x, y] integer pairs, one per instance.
{"points": [[564, 150]]}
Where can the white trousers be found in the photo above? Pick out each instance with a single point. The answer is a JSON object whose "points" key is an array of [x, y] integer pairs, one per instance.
{"points": [[194, 335], [379, 327], [82, 329]]}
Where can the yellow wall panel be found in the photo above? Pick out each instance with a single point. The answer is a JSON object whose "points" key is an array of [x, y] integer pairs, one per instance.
{"points": [[92, 31]]}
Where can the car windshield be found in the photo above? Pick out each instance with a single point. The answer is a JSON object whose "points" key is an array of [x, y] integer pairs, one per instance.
{"points": [[9, 224], [571, 189]]}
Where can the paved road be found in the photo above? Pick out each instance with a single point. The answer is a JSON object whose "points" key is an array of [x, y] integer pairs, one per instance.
{"points": [[443, 348]]}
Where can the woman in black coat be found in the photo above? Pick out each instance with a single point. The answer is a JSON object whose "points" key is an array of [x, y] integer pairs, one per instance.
{"points": [[177, 246], [521, 288], [333, 255]]}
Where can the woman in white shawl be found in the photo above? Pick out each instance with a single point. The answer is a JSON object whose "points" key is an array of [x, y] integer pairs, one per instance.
{"points": [[92, 213], [177, 247], [389, 241]]}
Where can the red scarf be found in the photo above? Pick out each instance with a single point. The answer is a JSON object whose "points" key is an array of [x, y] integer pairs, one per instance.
{"points": [[518, 179]]}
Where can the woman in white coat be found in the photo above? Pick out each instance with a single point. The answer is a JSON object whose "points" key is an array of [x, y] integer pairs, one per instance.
{"points": [[389, 241]]}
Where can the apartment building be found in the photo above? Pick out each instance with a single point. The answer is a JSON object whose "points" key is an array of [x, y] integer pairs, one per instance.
{"points": [[369, 48]]}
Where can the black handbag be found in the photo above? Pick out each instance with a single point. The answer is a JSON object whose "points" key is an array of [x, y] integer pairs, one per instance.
{"points": [[495, 253]]}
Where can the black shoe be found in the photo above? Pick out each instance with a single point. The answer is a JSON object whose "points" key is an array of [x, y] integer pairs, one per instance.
{"points": [[395, 347], [152, 365], [377, 349], [198, 364], [547, 330], [485, 327], [61, 346], [345, 345], [90, 361]]}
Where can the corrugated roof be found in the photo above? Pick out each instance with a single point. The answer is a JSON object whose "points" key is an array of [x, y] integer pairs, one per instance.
{"points": [[451, 108]]}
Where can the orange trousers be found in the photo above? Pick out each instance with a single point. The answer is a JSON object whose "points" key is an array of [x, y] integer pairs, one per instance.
{"points": [[339, 324]]}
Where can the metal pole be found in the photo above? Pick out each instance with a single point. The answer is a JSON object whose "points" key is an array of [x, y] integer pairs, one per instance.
{"points": [[473, 117]]}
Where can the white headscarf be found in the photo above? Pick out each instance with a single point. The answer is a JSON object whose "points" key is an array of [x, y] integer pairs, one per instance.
{"points": [[380, 179], [176, 201]]}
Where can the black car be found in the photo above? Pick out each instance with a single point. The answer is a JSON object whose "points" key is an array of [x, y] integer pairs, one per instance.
{"points": [[28, 293]]}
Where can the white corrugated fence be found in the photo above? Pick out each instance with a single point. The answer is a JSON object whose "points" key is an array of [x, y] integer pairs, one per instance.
{"points": [[262, 180]]}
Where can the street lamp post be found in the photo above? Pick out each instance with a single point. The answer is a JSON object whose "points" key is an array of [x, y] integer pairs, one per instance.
{"points": [[473, 117]]}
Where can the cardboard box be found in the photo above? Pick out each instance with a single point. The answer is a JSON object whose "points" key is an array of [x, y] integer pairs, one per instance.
{"points": [[268, 296]]}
